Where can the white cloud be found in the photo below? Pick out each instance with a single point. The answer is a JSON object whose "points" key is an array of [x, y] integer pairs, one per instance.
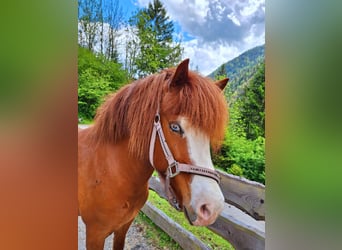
{"points": [[252, 7], [222, 29], [232, 17], [223, 21], [206, 57]]}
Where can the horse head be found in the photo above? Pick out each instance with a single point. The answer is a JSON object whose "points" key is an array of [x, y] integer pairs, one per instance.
{"points": [[191, 118]]}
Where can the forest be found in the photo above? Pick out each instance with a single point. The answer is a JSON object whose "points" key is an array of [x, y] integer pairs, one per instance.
{"points": [[107, 62]]}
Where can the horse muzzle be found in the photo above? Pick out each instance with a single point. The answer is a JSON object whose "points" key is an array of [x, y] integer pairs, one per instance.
{"points": [[203, 214]]}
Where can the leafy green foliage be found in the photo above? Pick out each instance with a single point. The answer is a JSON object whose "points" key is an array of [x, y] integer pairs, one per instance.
{"points": [[250, 155], [235, 170], [243, 151], [97, 77], [242, 157]]}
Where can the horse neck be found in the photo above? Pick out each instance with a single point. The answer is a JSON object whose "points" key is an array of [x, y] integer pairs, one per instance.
{"points": [[115, 157], [137, 170]]}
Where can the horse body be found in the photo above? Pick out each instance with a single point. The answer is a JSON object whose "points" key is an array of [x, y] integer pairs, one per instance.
{"points": [[104, 194], [113, 154]]}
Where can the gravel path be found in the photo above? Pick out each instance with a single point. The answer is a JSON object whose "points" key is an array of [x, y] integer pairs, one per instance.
{"points": [[135, 239]]}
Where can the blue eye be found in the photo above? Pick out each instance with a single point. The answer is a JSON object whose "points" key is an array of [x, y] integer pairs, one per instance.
{"points": [[176, 128]]}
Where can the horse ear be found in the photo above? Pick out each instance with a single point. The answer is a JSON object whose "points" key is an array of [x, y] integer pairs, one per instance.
{"points": [[181, 75], [222, 83]]}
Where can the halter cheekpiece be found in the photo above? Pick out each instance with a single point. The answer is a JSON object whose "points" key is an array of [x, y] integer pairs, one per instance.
{"points": [[174, 167]]}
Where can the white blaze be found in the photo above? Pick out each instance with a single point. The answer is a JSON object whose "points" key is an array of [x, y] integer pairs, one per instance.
{"points": [[204, 190]]}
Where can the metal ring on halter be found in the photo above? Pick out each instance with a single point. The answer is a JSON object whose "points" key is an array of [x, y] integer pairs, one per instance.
{"points": [[157, 118], [170, 171]]}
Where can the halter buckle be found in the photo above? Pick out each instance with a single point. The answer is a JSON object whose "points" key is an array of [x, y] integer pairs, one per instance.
{"points": [[172, 170]]}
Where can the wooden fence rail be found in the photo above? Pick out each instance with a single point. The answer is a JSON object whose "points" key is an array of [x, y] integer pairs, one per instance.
{"points": [[247, 195], [241, 222]]}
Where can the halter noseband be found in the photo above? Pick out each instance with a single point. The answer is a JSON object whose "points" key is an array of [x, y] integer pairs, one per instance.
{"points": [[174, 167]]}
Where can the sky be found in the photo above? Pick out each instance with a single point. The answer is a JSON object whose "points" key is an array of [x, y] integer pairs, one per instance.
{"points": [[212, 31]]}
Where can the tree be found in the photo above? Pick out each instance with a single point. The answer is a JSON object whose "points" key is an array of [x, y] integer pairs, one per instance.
{"points": [[251, 106], [114, 18], [154, 31], [221, 73], [99, 22], [89, 14], [243, 150], [131, 51]]}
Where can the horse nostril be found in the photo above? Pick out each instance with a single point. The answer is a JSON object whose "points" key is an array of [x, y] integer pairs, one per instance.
{"points": [[205, 211]]}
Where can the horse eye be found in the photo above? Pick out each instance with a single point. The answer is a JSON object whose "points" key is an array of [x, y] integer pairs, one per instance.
{"points": [[175, 128]]}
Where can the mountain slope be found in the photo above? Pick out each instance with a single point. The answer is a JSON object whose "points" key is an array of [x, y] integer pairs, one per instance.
{"points": [[240, 70]]}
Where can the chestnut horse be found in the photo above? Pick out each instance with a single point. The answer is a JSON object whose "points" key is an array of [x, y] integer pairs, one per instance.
{"points": [[166, 122]]}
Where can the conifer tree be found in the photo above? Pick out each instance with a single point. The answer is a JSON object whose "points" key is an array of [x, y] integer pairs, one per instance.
{"points": [[252, 106], [221, 73], [157, 48]]}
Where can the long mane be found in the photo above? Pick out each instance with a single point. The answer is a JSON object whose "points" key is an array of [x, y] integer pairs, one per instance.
{"points": [[130, 112]]}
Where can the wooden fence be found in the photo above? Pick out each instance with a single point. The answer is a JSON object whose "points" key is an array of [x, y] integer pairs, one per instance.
{"points": [[242, 221]]}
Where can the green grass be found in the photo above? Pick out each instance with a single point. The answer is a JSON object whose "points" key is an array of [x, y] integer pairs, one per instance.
{"points": [[154, 235], [211, 239]]}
